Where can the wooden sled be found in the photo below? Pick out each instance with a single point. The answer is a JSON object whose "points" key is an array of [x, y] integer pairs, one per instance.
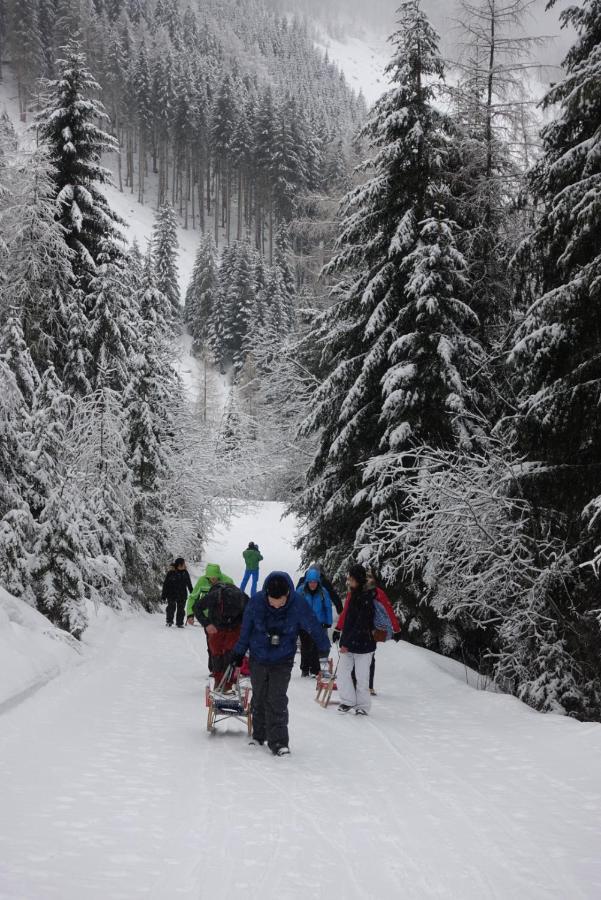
{"points": [[325, 686]]}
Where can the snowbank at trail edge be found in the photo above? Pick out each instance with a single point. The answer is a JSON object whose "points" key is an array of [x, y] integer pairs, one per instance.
{"points": [[32, 650], [262, 523]]}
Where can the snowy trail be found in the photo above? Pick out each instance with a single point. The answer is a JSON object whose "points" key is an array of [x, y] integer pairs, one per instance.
{"points": [[111, 787]]}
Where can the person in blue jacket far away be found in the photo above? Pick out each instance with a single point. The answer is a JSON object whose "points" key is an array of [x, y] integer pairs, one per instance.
{"points": [[272, 621]]}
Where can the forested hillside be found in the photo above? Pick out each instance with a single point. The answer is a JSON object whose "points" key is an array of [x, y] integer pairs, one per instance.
{"points": [[225, 110], [223, 119]]}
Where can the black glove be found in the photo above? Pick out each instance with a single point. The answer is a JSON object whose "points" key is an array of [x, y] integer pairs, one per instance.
{"points": [[397, 636], [324, 625], [335, 636], [236, 660]]}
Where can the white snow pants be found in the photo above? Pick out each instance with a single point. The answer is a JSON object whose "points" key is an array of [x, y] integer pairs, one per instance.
{"points": [[347, 692]]}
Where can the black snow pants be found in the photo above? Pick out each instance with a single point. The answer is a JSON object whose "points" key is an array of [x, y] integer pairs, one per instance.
{"points": [[309, 655], [270, 702], [172, 604]]}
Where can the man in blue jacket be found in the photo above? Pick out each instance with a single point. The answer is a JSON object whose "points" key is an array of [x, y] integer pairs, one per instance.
{"points": [[270, 628]]}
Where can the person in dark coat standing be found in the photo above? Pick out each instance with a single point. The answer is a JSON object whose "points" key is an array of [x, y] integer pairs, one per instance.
{"points": [[270, 628], [176, 587], [362, 618]]}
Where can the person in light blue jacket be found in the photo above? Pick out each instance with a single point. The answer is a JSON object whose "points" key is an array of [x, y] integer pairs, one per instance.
{"points": [[320, 602]]}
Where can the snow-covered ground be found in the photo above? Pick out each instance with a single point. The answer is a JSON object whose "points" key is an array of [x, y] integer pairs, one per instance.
{"points": [[262, 523], [112, 788], [32, 650], [362, 59]]}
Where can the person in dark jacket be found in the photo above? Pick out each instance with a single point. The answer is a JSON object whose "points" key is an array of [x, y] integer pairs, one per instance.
{"points": [[319, 600], [362, 615], [176, 586], [328, 585], [270, 627]]}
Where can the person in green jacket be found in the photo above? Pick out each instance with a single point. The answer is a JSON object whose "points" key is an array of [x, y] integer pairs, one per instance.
{"points": [[252, 558], [212, 575]]}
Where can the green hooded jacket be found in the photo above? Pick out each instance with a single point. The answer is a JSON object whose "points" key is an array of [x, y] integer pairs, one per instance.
{"points": [[252, 558], [203, 585]]}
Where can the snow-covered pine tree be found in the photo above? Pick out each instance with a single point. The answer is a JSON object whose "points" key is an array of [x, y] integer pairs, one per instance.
{"points": [[241, 308], [556, 347], [75, 143], [16, 354], [200, 295], [61, 557], [25, 43], [282, 259], [259, 287], [558, 424], [16, 522], [380, 229], [39, 275], [112, 326], [164, 246], [427, 402], [151, 399], [231, 438]]}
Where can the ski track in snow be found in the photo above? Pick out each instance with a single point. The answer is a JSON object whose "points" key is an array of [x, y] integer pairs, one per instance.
{"points": [[112, 788]]}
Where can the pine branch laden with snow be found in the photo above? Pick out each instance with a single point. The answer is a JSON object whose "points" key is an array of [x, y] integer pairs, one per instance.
{"points": [[463, 534]]}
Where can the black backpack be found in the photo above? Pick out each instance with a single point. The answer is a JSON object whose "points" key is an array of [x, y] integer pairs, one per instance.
{"points": [[225, 605]]}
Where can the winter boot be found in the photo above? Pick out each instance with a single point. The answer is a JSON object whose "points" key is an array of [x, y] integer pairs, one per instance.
{"points": [[360, 711], [343, 708], [281, 751]]}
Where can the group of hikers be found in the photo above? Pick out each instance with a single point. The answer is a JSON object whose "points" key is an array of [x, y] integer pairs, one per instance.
{"points": [[258, 636]]}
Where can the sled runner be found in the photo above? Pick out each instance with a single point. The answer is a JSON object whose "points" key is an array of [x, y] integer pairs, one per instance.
{"points": [[232, 704], [325, 686]]}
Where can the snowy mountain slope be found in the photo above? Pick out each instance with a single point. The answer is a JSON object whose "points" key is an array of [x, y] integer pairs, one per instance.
{"points": [[443, 792], [362, 59]]}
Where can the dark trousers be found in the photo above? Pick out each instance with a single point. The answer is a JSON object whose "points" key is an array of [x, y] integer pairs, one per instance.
{"points": [[309, 654], [270, 702], [372, 672], [172, 603]]}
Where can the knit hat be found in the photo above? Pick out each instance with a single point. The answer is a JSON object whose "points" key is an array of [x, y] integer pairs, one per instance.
{"points": [[358, 573], [277, 587], [213, 571], [179, 561], [312, 575]]}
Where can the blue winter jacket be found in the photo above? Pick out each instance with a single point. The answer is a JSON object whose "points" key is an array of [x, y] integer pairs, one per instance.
{"points": [[320, 602], [261, 620]]}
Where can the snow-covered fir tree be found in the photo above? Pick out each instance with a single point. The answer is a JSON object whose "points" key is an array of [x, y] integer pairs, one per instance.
{"points": [[379, 329], [558, 426], [165, 245], [200, 296], [75, 143]]}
